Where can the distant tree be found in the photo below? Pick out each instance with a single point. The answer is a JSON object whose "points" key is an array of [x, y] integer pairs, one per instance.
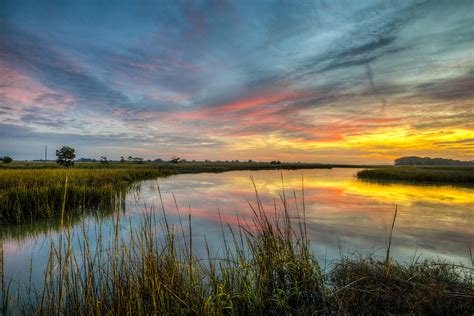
{"points": [[103, 159], [158, 160], [6, 159], [86, 160], [250, 160], [65, 156], [130, 158], [427, 161], [137, 159], [122, 159], [175, 159], [275, 162]]}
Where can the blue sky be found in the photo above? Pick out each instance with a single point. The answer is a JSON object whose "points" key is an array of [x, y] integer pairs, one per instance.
{"points": [[329, 81]]}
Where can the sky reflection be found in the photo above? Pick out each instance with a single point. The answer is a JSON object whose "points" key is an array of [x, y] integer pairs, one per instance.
{"points": [[435, 219]]}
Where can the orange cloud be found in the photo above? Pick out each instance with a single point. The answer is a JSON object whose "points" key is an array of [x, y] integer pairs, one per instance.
{"points": [[252, 104]]}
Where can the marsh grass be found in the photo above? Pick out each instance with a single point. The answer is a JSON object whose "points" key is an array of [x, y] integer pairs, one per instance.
{"points": [[28, 195], [32, 191], [421, 288], [437, 175], [265, 267]]}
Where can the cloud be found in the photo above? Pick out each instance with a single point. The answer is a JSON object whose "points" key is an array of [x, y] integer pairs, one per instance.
{"points": [[218, 79], [34, 56], [452, 89]]}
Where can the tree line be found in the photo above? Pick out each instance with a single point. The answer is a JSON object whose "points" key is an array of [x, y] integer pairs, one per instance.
{"points": [[427, 161]]}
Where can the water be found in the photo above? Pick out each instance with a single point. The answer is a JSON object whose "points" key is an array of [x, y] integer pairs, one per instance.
{"points": [[343, 214]]}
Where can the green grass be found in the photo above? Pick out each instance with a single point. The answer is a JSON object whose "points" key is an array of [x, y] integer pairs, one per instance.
{"points": [[27, 195], [439, 175], [266, 267], [33, 191]]}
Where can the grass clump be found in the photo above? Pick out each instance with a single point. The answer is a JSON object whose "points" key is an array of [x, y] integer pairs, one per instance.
{"points": [[423, 288]]}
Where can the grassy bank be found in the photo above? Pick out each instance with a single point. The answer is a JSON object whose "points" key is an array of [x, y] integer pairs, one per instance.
{"points": [[266, 268], [437, 175], [34, 191], [27, 195]]}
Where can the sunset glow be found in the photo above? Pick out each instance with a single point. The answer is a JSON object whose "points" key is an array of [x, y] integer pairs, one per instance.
{"points": [[337, 82]]}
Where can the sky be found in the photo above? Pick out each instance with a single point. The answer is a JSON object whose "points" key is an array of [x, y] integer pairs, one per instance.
{"points": [[311, 81]]}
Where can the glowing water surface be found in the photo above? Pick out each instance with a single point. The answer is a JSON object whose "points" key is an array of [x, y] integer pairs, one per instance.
{"points": [[342, 213]]}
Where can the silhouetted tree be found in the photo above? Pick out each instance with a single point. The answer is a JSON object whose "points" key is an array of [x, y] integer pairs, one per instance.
{"points": [[6, 159], [174, 159], [122, 159], [103, 159], [65, 156]]}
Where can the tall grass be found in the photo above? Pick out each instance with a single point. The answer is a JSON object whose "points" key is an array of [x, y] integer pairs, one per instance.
{"points": [[31, 195], [265, 267]]}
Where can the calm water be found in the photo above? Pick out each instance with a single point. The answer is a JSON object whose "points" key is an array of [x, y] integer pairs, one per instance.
{"points": [[341, 212]]}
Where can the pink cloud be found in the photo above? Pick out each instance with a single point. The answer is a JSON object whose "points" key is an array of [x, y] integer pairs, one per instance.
{"points": [[25, 92]]}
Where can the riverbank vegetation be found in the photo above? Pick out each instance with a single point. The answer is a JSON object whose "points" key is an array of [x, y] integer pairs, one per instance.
{"points": [[27, 195], [436, 175], [265, 268], [34, 191]]}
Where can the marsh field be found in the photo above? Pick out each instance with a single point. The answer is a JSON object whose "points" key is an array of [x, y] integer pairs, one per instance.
{"points": [[235, 238]]}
